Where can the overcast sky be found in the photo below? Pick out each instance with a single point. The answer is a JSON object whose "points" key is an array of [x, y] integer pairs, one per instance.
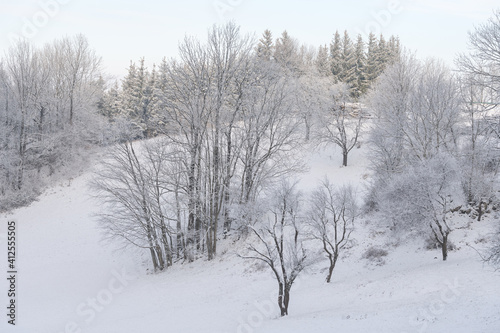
{"points": [[124, 30]]}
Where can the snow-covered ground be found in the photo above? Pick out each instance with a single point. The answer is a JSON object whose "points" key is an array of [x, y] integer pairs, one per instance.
{"points": [[69, 281]]}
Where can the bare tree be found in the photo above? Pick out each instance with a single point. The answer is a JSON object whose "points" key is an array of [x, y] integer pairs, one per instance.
{"points": [[36, 101], [480, 157], [331, 216], [341, 123], [390, 101], [130, 186], [79, 66], [418, 105], [484, 57], [268, 129], [279, 243], [481, 93], [424, 196]]}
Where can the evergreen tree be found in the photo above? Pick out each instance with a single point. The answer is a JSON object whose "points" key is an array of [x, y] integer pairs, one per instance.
{"points": [[286, 53], [393, 49], [135, 102], [347, 61], [160, 115], [148, 106], [109, 104], [381, 56], [371, 59], [265, 47], [360, 85], [335, 56], [323, 61]]}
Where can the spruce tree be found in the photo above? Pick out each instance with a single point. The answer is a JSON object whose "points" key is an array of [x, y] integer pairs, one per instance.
{"points": [[360, 85], [265, 47], [335, 56], [286, 53], [347, 61], [371, 59], [323, 61]]}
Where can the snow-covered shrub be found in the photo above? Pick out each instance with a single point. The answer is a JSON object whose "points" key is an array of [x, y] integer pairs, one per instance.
{"points": [[375, 255]]}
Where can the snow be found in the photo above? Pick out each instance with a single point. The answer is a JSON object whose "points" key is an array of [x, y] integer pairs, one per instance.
{"points": [[65, 269]]}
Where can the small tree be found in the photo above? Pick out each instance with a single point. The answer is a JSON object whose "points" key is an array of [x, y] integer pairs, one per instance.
{"points": [[331, 216], [341, 125], [279, 244], [424, 196]]}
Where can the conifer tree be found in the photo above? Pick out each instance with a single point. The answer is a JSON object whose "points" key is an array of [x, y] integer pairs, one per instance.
{"points": [[109, 104], [265, 48], [323, 61], [371, 58], [348, 61], [360, 85], [285, 52], [335, 56]]}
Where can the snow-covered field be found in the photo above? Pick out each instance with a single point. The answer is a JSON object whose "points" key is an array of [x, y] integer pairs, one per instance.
{"points": [[69, 281]]}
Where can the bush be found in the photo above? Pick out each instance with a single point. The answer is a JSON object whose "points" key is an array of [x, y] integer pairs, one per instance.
{"points": [[375, 255], [432, 244]]}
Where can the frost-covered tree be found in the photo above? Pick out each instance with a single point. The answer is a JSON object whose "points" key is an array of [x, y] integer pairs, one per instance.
{"points": [[479, 153], [422, 199], [483, 59], [286, 52], [269, 131], [265, 47], [481, 93], [347, 61], [131, 185], [417, 112], [50, 97], [336, 56], [360, 84], [322, 61], [312, 99], [279, 241], [137, 98], [331, 215], [340, 125]]}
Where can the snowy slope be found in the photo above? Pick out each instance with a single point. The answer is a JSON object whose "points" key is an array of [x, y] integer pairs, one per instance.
{"points": [[69, 281]]}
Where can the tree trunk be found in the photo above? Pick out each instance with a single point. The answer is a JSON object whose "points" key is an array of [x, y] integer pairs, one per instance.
{"points": [[480, 210], [333, 261], [344, 155], [286, 301], [281, 304], [227, 183], [444, 247]]}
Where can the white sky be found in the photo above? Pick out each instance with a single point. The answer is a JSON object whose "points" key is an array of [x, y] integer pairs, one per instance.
{"points": [[124, 30]]}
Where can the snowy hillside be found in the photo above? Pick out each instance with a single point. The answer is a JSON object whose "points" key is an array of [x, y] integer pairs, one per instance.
{"points": [[70, 281]]}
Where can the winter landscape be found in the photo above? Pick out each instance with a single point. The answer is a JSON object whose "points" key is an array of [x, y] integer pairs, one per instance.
{"points": [[250, 182]]}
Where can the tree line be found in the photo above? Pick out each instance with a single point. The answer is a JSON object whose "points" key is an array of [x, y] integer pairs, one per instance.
{"points": [[48, 111], [357, 65]]}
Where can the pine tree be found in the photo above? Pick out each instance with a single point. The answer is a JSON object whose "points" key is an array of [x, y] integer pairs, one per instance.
{"points": [[148, 106], [265, 47], [335, 56], [360, 85], [348, 61], [109, 104], [371, 59], [323, 61], [161, 85], [382, 56], [393, 48], [134, 101], [286, 53]]}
